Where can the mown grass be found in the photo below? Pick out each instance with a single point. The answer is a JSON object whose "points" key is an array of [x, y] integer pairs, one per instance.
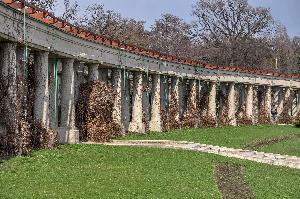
{"points": [[96, 171], [236, 137], [289, 147]]}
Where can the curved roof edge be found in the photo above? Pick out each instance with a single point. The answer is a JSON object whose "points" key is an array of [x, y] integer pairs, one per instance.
{"points": [[50, 19]]}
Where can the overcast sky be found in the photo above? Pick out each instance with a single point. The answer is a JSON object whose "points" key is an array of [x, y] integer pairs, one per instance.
{"points": [[285, 11]]}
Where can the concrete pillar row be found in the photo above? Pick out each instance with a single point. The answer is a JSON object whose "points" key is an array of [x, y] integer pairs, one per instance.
{"points": [[136, 125], [68, 132], [231, 104], [211, 109], [41, 102], [157, 93], [249, 102], [93, 72]]}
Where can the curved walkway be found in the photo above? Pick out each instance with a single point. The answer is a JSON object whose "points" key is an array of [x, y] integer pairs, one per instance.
{"points": [[267, 158]]}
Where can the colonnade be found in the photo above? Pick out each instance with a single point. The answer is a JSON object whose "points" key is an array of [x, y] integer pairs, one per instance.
{"points": [[141, 110]]}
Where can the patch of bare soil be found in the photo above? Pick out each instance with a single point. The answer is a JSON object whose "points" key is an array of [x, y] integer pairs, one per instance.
{"points": [[230, 182], [270, 141]]}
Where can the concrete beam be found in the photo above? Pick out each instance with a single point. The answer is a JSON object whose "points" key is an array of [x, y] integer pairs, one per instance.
{"points": [[45, 37]]}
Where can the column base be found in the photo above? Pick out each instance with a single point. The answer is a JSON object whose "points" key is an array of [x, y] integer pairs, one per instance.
{"points": [[136, 128], [68, 136], [155, 126]]}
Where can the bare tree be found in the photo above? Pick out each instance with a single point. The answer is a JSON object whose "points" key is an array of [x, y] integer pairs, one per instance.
{"points": [[284, 50], [71, 12], [230, 29], [171, 35], [48, 5]]}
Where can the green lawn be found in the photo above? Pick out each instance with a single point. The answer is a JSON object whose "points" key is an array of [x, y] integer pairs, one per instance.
{"points": [[96, 171], [235, 137], [289, 147]]}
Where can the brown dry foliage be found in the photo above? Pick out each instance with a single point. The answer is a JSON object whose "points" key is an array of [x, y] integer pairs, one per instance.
{"points": [[94, 113]]}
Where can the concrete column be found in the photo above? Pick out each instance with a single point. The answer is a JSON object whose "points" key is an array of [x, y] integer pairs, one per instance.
{"points": [[298, 102], [268, 100], [125, 101], [93, 72], [67, 131], [164, 92], [103, 74], [280, 99], [79, 79], [249, 102], [146, 102], [255, 104], [231, 104], [53, 89], [118, 88], [182, 97], [157, 92], [287, 102], [41, 102], [136, 125], [211, 109], [175, 98], [9, 75], [192, 101]]}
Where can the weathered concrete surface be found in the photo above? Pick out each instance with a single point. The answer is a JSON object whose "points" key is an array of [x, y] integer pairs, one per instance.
{"points": [[249, 102], [146, 101], [41, 102], [268, 100], [8, 67], [53, 108], [174, 97], [155, 122], [125, 101], [68, 132], [211, 109], [93, 72], [103, 74], [266, 158], [118, 82], [231, 104], [136, 125], [45, 37]]}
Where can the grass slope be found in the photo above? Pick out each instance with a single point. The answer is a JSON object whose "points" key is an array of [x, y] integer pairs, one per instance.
{"points": [[289, 147], [96, 171], [235, 137]]}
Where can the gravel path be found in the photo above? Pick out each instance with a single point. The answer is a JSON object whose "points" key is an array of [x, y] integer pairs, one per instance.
{"points": [[267, 158]]}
